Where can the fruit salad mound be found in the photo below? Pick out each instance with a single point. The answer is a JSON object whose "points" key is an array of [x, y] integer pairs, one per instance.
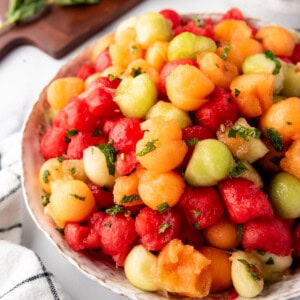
{"points": [[175, 151]]}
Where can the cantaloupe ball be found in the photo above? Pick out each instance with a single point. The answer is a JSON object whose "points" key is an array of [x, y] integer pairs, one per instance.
{"points": [[187, 87], [162, 148], [230, 30], [160, 191], [270, 35], [156, 54], [291, 161], [55, 169], [125, 190], [283, 117], [62, 89], [70, 201], [49, 172], [218, 70], [252, 97], [223, 234], [220, 268]]}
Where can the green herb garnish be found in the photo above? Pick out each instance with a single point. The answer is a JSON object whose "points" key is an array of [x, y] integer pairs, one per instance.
{"points": [[61, 230], [270, 261], [196, 212], [196, 225], [136, 72], [149, 147], [26, 10], [72, 170], [164, 227], [45, 176], [244, 132], [133, 48], [225, 52], [130, 198], [96, 132], [116, 210], [276, 160], [110, 154], [251, 269], [105, 188], [163, 207], [275, 139], [60, 159], [72, 132], [107, 224], [67, 140], [199, 22], [261, 252], [78, 197], [237, 170], [236, 92], [45, 199], [270, 55], [112, 77], [192, 142], [239, 231]]}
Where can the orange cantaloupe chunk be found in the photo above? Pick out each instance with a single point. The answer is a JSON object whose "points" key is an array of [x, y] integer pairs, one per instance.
{"points": [[253, 93], [291, 161], [277, 39], [218, 70], [125, 190], [230, 29], [283, 116], [184, 270]]}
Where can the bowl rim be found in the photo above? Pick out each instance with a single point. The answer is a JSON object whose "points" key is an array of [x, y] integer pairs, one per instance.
{"points": [[34, 126]]}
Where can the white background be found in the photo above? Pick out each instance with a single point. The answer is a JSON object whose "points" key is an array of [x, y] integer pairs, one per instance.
{"points": [[26, 70]]}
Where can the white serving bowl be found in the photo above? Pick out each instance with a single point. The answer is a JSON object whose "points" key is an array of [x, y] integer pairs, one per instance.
{"points": [[101, 269]]}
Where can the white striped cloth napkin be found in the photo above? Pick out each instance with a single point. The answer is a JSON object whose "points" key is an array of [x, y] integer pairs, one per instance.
{"points": [[22, 273]]}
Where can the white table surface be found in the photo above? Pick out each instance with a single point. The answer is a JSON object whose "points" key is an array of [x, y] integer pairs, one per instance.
{"points": [[26, 70]]}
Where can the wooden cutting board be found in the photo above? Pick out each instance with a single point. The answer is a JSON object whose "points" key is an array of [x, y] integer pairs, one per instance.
{"points": [[61, 29]]}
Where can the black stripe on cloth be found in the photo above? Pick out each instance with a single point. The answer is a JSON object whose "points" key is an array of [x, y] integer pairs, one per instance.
{"points": [[14, 190], [17, 225], [28, 280], [49, 281]]}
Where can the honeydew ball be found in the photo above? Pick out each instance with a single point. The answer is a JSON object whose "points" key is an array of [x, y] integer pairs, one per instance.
{"points": [[247, 284], [141, 269], [262, 62], [291, 84], [152, 27], [189, 45], [211, 162], [170, 112], [95, 167], [284, 194], [136, 95]]}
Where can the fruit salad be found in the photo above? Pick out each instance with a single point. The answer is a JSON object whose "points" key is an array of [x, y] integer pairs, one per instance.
{"points": [[174, 150]]}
